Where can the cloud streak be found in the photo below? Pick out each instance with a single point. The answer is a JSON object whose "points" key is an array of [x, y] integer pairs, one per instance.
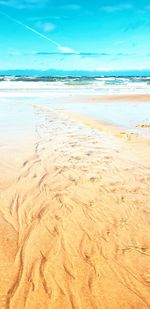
{"points": [[61, 48], [43, 18], [45, 26], [18, 4], [66, 52], [72, 6], [84, 54], [116, 8]]}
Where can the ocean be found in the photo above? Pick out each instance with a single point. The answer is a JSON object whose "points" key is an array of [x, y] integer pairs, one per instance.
{"points": [[82, 85], [53, 91]]}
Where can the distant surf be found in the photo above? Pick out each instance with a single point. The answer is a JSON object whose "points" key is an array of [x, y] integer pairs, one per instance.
{"points": [[78, 85]]}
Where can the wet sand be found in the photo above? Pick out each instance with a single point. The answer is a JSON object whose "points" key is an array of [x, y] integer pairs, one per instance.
{"points": [[75, 218]]}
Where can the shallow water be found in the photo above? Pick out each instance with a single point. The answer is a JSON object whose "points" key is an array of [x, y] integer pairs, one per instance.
{"points": [[17, 114], [125, 115], [17, 120]]}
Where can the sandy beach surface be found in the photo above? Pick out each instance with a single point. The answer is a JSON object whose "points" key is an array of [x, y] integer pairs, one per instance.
{"points": [[74, 210]]}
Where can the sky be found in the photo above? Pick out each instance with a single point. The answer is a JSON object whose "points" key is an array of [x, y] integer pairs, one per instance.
{"points": [[98, 35]]}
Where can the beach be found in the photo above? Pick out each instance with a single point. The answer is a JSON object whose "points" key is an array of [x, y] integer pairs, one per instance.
{"points": [[74, 196]]}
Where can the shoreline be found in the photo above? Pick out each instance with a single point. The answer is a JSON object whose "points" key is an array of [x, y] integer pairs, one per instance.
{"points": [[138, 145], [90, 97]]}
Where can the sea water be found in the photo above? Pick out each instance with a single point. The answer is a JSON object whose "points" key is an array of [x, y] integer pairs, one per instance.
{"points": [[18, 92]]}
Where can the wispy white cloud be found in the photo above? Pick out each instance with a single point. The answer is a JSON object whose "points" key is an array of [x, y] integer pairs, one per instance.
{"points": [[66, 50], [72, 6], [116, 8], [45, 26], [40, 18], [22, 4], [60, 47]]}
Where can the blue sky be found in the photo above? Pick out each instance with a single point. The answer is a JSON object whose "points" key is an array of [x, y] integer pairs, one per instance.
{"points": [[75, 35]]}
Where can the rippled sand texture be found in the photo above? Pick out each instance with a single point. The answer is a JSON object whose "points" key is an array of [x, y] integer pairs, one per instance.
{"points": [[74, 226]]}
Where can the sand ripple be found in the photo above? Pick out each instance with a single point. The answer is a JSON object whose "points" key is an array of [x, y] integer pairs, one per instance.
{"points": [[74, 226]]}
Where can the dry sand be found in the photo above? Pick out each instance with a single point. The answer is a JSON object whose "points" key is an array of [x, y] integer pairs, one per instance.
{"points": [[75, 220]]}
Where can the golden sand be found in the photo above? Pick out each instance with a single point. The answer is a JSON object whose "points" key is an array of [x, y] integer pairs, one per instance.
{"points": [[75, 220]]}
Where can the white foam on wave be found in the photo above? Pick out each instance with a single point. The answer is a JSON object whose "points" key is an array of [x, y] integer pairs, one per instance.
{"points": [[99, 86]]}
